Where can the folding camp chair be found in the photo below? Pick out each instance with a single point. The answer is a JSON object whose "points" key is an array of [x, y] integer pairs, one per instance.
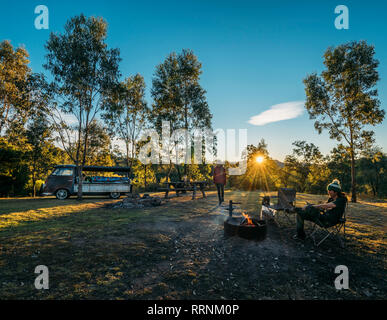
{"points": [[330, 231], [286, 201]]}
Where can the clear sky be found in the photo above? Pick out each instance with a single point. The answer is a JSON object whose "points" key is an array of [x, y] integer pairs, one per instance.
{"points": [[255, 54]]}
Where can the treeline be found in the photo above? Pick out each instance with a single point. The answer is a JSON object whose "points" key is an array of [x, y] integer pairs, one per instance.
{"points": [[85, 111], [308, 171], [82, 107]]}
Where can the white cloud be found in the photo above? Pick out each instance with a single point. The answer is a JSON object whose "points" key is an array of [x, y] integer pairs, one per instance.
{"points": [[279, 112], [69, 118]]}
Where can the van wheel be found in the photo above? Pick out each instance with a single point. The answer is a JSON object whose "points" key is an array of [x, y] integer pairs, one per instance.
{"points": [[62, 194], [115, 195]]}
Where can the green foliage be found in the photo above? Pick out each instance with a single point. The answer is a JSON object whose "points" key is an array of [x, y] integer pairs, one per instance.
{"points": [[318, 178], [128, 113], [40, 155], [144, 174], [305, 157], [13, 169], [99, 146], [85, 72], [14, 73], [179, 99], [372, 172], [178, 96], [343, 100], [340, 166], [34, 117]]}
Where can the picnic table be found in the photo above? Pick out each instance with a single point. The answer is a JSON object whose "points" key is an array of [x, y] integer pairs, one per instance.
{"points": [[183, 187]]}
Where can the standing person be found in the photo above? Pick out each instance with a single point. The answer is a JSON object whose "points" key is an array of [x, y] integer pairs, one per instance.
{"points": [[220, 180], [327, 214]]}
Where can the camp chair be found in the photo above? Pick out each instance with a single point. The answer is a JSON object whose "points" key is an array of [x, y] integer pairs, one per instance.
{"points": [[286, 201], [330, 231]]}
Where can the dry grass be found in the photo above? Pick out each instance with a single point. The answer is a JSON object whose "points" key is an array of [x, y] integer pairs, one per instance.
{"points": [[177, 251]]}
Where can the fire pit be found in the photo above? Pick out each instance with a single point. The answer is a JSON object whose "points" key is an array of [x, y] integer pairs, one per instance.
{"points": [[247, 228], [244, 227]]}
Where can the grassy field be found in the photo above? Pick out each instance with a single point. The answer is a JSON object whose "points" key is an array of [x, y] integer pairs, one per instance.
{"points": [[178, 251]]}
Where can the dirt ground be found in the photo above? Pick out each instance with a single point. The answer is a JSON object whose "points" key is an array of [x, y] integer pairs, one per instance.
{"points": [[179, 251], [204, 264]]}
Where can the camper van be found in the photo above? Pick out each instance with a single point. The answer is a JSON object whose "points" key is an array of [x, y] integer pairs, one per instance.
{"points": [[63, 182]]}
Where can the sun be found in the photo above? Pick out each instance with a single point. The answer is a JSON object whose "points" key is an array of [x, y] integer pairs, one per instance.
{"points": [[259, 159]]}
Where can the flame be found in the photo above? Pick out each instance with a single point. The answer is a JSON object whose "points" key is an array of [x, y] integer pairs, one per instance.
{"points": [[249, 221]]}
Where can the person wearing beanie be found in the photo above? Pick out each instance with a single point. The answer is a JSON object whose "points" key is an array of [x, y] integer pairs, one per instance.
{"points": [[325, 215], [334, 186]]}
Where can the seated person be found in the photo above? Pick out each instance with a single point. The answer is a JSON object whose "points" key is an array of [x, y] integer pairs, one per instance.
{"points": [[325, 215]]}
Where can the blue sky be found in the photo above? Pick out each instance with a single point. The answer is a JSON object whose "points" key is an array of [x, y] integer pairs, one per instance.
{"points": [[254, 53]]}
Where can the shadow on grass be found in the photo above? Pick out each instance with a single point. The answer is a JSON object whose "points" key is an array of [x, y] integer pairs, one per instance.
{"points": [[10, 205], [177, 251], [91, 251]]}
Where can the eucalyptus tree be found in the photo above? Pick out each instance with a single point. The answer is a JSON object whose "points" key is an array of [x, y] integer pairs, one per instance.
{"points": [[84, 73], [128, 114], [41, 149], [14, 75], [344, 99], [178, 96]]}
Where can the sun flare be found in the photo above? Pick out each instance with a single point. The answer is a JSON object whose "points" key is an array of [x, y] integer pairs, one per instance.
{"points": [[259, 159]]}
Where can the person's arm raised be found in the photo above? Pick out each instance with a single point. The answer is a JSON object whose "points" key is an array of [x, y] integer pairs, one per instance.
{"points": [[325, 206]]}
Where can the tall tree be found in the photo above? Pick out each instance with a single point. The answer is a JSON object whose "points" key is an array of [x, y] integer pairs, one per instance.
{"points": [[178, 96], [344, 98], [85, 71], [14, 74], [41, 145], [128, 114]]}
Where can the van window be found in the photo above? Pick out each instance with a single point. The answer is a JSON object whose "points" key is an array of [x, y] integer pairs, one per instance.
{"points": [[63, 172]]}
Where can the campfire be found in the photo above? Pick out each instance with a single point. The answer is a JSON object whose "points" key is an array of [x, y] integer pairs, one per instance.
{"points": [[247, 220], [245, 226]]}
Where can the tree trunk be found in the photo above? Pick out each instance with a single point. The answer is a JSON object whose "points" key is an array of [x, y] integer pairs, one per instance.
{"points": [[186, 140], [127, 154], [80, 182], [353, 177], [33, 178], [373, 190], [80, 178], [145, 183], [79, 171], [5, 118], [178, 172], [33, 186], [169, 172]]}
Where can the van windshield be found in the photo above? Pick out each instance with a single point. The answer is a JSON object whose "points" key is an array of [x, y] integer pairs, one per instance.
{"points": [[62, 172]]}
